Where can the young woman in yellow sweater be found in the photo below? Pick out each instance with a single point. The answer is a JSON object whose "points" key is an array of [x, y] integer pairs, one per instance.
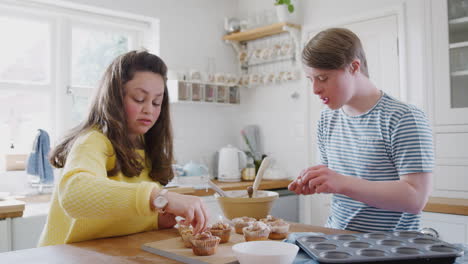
{"points": [[116, 161]]}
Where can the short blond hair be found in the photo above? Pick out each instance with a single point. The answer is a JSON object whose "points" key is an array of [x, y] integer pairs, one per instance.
{"points": [[334, 48]]}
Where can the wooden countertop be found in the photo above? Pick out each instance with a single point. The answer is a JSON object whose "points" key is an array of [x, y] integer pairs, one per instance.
{"points": [[117, 250], [447, 206], [228, 186], [435, 204]]}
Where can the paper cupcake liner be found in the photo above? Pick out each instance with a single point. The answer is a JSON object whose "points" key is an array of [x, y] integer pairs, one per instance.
{"points": [[186, 237], [223, 234], [207, 243]]}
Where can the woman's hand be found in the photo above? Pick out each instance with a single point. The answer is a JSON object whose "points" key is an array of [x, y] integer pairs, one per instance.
{"points": [[189, 207], [318, 179]]}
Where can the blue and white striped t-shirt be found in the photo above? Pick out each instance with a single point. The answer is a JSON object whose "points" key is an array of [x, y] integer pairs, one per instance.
{"points": [[391, 139]]}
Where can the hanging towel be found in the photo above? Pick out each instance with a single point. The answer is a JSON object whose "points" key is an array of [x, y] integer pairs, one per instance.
{"points": [[38, 163]]}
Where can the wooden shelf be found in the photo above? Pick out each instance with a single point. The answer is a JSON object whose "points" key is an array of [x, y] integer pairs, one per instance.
{"points": [[260, 32], [458, 45], [461, 20], [459, 73]]}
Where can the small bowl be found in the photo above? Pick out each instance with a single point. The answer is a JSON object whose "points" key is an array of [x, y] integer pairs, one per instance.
{"points": [[271, 252], [238, 204]]}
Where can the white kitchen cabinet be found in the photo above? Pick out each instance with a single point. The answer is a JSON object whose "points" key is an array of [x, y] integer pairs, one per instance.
{"points": [[5, 235], [450, 61], [26, 231], [450, 97], [451, 228], [286, 206]]}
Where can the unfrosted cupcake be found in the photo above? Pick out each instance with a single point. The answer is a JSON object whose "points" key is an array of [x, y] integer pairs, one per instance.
{"points": [[256, 231], [241, 222], [221, 230], [187, 235], [205, 244], [279, 229]]}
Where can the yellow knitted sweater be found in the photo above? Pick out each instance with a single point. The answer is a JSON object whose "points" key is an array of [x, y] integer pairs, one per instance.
{"points": [[87, 204]]}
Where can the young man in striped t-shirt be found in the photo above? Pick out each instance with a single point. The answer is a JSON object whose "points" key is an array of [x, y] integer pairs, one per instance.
{"points": [[376, 152]]}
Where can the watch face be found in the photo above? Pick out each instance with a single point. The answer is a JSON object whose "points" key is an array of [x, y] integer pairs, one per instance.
{"points": [[160, 202]]}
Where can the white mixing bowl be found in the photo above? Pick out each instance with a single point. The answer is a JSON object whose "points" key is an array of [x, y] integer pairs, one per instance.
{"points": [[271, 252]]}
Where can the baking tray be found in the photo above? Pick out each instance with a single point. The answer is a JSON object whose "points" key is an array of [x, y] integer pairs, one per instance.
{"points": [[379, 247]]}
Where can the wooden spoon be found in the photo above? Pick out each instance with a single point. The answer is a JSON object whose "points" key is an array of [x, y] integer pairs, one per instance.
{"points": [[261, 171]]}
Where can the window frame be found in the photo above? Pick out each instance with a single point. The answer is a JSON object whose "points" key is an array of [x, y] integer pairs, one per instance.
{"points": [[61, 17]]}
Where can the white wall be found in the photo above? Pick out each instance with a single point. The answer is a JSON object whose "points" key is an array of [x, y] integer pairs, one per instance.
{"points": [[190, 34]]}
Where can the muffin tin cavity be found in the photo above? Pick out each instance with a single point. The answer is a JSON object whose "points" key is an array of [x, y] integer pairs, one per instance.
{"points": [[324, 246], [444, 248], [407, 251], [379, 247], [390, 242], [357, 244], [313, 239], [376, 235], [372, 253], [426, 241], [335, 255], [345, 237]]}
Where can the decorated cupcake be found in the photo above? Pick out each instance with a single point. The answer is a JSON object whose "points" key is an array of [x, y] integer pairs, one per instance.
{"points": [[205, 244], [279, 229], [221, 230], [187, 235], [269, 219], [256, 231], [181, 227], [241, 222]]}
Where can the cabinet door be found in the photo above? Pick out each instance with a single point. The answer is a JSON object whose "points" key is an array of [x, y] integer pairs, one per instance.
{"points": [[5, 235], [287, 208], [450, 61], [451, 228], [26, 231]]}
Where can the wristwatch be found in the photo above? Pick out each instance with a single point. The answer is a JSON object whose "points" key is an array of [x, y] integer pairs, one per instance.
{"points": [[161, 202]]}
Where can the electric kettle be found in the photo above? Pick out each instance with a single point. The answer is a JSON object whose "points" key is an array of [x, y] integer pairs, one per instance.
{"points": [[230, 163]]}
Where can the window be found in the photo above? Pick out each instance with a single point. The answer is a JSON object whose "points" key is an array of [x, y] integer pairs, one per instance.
{"points": [[52, 58]]}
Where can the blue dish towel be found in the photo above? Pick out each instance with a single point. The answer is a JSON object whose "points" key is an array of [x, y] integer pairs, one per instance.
{"points": [[303, 258], [38, 163]]}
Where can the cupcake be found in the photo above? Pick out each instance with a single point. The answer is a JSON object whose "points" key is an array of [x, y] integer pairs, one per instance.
{"points": [[242, 222], [269, 219], [182, 227], [221, 230], [256, 231], [205, 244], [187, 235], [279, 229]]}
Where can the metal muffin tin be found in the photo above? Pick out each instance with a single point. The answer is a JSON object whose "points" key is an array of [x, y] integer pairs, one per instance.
{"points": [[379, 247]]}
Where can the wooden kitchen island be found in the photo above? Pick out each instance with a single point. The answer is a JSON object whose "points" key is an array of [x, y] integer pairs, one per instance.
{"points": [[116, 250]]}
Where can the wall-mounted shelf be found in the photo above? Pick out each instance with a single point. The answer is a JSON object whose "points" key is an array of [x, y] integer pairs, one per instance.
{"points": [[261, 32], [240, 43], [203, 93]]}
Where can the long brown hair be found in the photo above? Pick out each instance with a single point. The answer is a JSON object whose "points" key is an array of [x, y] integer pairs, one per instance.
{"points": [[334, 48], [107, 115]]}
